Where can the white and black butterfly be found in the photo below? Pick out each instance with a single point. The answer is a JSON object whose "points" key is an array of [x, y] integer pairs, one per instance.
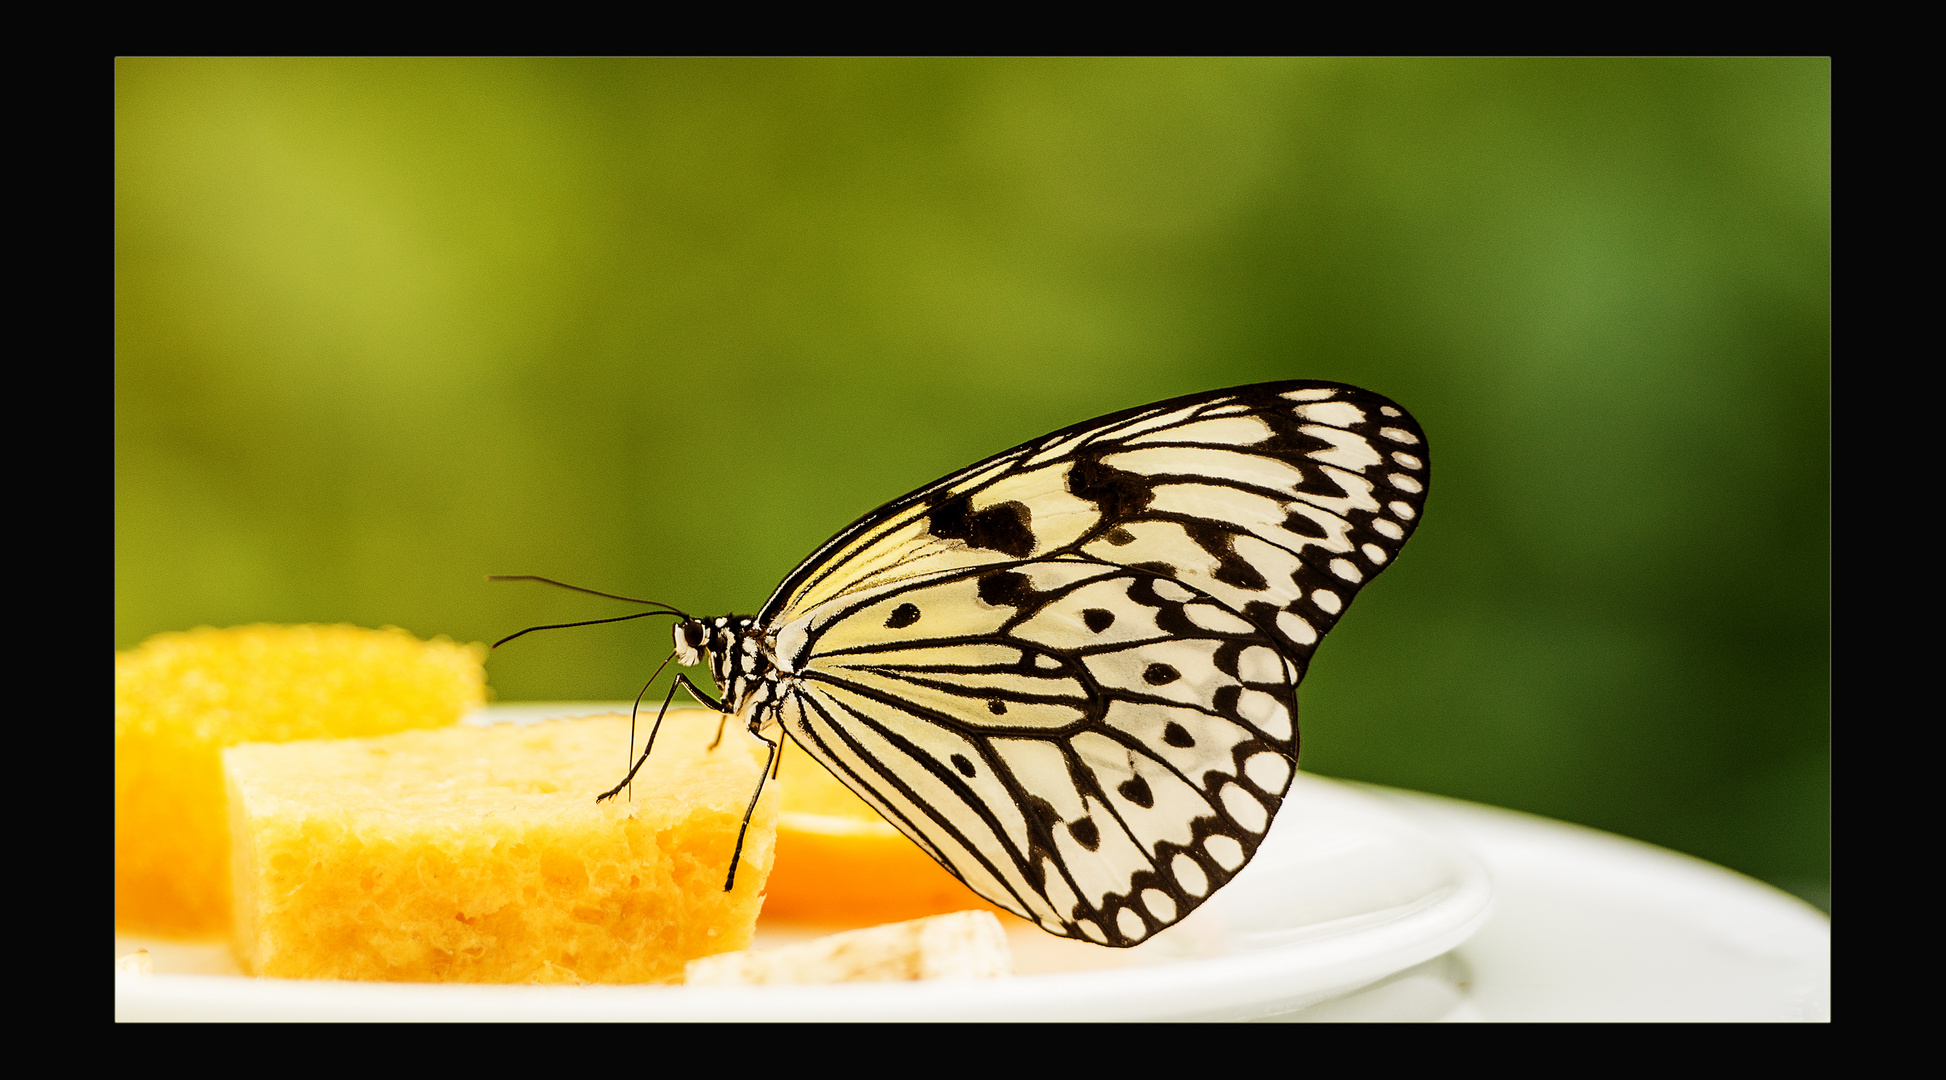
{"points": [[1069, 672]]}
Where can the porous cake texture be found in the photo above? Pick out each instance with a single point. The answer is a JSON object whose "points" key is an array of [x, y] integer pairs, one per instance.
{"points": [[479, 854], [181, 697]]}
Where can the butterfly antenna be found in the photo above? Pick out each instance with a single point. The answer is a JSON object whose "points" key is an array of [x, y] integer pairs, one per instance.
{"points": [[591, 592], [590, 622]]}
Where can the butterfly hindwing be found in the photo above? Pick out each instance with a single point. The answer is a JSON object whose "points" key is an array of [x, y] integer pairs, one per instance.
{"points": [[1069, 671], [1094, 747]]}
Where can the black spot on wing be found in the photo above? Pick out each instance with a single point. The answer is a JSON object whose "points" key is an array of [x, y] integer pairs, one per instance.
{"points": [[1178, 736], [1086, 833], [1003, 528], [1042, 812], [1008, 588], [1136, 790], [902, 616], [1098, 619], [1119, 495], [1305, 525]]}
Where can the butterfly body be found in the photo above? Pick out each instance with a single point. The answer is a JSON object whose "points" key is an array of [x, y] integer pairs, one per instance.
{"points": [[1069, 672]]}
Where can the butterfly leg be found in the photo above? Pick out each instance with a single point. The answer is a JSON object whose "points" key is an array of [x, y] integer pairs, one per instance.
{"points": [[683, 682], [637, 707], [737, 855]]}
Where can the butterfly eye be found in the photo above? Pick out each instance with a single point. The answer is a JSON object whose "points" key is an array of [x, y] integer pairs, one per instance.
{"points": [[689, 639]]}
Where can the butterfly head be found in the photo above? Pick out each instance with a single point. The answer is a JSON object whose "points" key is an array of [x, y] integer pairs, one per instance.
{"points": [[731, 648]]}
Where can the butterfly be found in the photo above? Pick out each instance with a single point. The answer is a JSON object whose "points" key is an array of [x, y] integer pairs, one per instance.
{"points": [[1069, 671]]}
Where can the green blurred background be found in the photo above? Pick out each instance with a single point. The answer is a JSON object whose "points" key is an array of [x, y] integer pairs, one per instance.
{"points": [[661, 327]]}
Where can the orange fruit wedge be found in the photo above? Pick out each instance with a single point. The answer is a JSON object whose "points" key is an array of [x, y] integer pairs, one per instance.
{"points": [[839, 862]]}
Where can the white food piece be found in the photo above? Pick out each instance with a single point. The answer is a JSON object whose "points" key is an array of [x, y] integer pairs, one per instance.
{"points": [[963, 945]]}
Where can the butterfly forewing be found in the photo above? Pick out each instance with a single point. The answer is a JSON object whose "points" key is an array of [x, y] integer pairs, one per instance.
{"points": [[1069, 671]]}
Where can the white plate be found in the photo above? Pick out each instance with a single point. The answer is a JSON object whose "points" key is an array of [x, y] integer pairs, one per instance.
{"points": [[1592, 926], [1346, 890]]}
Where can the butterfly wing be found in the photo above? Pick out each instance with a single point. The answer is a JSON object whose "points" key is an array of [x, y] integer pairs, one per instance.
{"points": [[1069, 671]]}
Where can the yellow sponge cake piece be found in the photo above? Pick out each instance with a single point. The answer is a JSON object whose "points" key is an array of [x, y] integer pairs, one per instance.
{"points": [[181, 698], [478, 854]]}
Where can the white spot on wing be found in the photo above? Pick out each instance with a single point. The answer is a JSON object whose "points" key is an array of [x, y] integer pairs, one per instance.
{"points": [[1344, 569], [1174, 591], [1244, 808], [1327, 600], [1399, 435], [1094, 933], [1226, 851], [1388, 528], [1405, 483], [1266, 713], [1375, 553], [1260, 665], [1211, 617], [1400, 510], [1315, 393], [1407, 460], [1270, 772], [1341, 414], [1130, 924], [1389, 410], [1189, 875], [1296, 628], [1159, 905]]}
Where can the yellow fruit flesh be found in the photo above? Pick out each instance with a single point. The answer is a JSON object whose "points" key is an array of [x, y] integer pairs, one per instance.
{"points": [[181, 698], [479, 854]]}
